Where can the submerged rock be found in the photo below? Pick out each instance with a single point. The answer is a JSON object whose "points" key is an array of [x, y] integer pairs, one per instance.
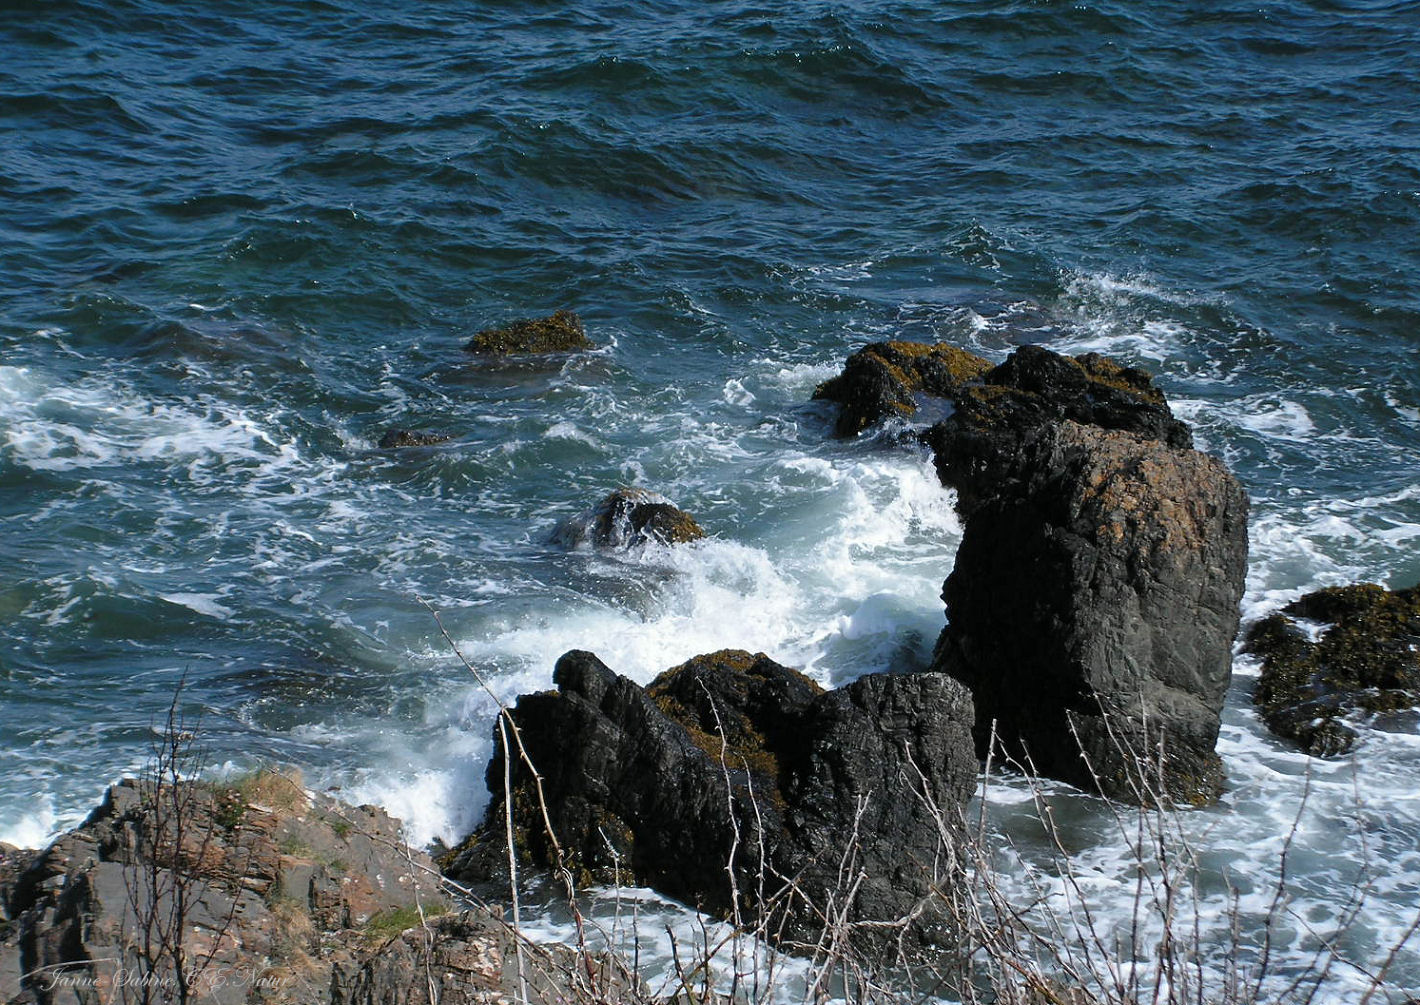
{"points": [[561, 332], [1366, 660], [740, 786], [886, 379], [629, 517], [396, 438]]}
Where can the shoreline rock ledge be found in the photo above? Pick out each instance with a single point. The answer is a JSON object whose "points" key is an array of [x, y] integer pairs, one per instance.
{"points": [[739, 785], [264, 892], [1094, 599]]}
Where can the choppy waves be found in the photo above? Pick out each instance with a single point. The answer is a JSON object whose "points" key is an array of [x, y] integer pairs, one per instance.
{"points": [[227, 276]]}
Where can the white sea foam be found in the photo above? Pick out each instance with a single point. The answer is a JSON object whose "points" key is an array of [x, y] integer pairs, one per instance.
{"points": [[35, 828], [734, 393], [1274, 418], [100, 422], [431, 779], [721, 595], [799, 377], [570, 431], [203, 603], [1116, 291]]}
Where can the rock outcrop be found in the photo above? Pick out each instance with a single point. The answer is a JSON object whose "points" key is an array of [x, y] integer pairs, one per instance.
{"points": [[1092, 610], [277, 895], [561, 332], [890, 378], [395, 438], [738, 785], [1366, 660], [980, 448], [629, 517], [1094, 598]]}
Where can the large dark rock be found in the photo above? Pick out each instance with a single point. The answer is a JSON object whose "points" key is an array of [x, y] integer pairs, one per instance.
{"points": [[1092, 610], [629, 517], [1367, 660], [562, 332], [889, 378], [1094, 598], [738, 785]]}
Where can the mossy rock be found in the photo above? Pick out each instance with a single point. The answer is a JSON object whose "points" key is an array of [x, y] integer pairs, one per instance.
{"points": [[1366, 660], [1090, 389], [562, 332], [1103, 372], [737, 705], [628, 517], [885, 379]]}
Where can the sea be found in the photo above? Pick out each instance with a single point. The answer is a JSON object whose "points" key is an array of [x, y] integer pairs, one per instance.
{"points": [[239, 241]]}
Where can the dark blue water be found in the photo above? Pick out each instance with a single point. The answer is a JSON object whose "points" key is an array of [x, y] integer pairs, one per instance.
{"points": [[237, 243]]}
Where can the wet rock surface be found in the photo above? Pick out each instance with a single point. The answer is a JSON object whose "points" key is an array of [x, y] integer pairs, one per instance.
{"points": [[887, 378], [1365, 660], [394, 439], [629, 517], [738, 785], [1092, 611], [560, 332], [1094, 599]]}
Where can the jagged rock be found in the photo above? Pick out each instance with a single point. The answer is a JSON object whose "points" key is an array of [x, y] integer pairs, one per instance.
{"points": [[730, 776], [1093, 606], [395, 438], [887, 378], [1094, 598], [979, 447], [562, 332], [1366, 660], [629, 517], [279, 885]]}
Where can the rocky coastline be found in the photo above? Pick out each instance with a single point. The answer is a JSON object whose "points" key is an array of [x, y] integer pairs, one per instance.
{"points": [[1089, 623]]}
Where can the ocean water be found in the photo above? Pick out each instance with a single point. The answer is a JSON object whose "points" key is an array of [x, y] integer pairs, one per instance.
{"points": [[240, 241]]}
